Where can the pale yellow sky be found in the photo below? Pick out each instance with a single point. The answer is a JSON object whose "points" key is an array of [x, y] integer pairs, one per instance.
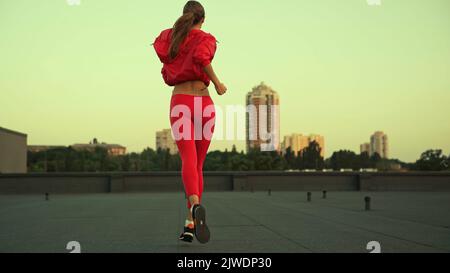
{"points": [[343, 69]]}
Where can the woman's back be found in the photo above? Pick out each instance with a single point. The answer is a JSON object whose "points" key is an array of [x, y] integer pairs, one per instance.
{"points": [[195, 52]]}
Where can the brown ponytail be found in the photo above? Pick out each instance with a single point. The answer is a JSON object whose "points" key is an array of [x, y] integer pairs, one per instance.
{"points": [[193, 13]]}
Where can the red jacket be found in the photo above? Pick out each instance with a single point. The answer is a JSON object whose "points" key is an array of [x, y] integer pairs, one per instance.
{"points": [[195, 52]]}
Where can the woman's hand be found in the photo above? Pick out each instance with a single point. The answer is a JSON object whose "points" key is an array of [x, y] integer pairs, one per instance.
{"points": [[220, 88]]}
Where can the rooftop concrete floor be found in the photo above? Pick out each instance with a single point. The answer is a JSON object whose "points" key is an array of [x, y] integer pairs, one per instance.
{"points": [[239, 222]]}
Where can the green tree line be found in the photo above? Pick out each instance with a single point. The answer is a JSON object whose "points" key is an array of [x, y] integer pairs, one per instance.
{"points": [[70, 160]]}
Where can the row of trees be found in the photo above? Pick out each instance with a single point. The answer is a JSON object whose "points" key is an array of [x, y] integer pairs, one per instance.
{"points": [[431, 160], [70, 160]]}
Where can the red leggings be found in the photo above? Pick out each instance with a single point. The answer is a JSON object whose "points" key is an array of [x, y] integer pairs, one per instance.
{"points": [[192, 120]]}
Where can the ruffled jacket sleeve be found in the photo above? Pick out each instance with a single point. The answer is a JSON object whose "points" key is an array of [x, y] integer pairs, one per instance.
{"points": [[162, 44], [204, 53]]}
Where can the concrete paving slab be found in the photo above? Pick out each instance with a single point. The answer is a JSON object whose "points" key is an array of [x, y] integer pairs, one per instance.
{"points": [[239, 222]]}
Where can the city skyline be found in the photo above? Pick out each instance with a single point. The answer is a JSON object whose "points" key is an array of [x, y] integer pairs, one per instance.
{"points": [[163, 138], [343, 69], [295, 141]]}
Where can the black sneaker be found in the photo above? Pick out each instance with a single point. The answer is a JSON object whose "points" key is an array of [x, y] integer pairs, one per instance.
{"points": [[201, 229], [187, 235]]}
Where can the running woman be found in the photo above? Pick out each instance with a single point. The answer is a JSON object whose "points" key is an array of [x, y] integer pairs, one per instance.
{"points": [[186, 53]]}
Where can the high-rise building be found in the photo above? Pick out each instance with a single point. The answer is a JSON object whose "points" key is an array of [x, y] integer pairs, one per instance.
{"points": [[298, 142], [379, 144], [364, 148], [263, 119], [319, 140], [165, 141]]}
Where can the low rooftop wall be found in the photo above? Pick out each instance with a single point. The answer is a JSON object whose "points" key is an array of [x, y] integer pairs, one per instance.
{"points": [[38, 183]]}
